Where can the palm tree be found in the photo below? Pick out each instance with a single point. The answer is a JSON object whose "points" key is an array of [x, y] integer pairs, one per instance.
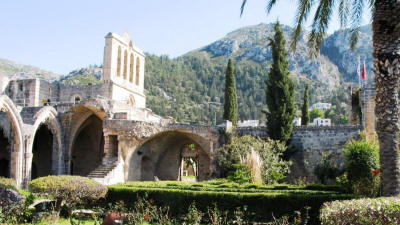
{"points": [[386, 53]]}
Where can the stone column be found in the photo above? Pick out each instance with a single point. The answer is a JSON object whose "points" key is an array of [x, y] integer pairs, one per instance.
{"points": [[27, 171], [110, 149]]}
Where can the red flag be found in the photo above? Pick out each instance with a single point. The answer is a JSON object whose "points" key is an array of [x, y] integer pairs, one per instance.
{"points": [[364, 73]]}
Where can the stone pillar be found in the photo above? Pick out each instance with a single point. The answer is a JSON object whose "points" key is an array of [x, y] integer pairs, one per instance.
{"points": [[368, 111], [110, 149], [27, 171]]}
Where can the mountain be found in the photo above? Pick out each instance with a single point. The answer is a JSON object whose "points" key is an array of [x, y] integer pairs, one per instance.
{"points": [[337, 49], [19, 71], [251, 43]]}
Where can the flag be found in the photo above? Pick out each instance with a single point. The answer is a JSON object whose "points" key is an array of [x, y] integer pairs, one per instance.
{"points": [[364, 73]]}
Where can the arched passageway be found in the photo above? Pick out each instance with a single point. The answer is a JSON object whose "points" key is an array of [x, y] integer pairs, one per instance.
{"points": [[5, 153], [6, 144], [42, 150], [88, 147], [166, 156]]}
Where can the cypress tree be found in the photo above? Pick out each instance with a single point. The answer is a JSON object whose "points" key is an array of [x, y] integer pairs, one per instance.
{"points": [[305, 116], [280, 91], [230, 104]]}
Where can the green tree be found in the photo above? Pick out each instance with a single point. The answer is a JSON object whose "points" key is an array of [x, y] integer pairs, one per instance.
{"points": [[315, 113], [305, 116], [230, 102], [280, 91], [386, 44]]}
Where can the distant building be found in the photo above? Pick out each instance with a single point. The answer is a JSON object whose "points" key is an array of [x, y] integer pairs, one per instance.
{"points": [[249, 123], [321, 122], [297, 121], [321, 105]]}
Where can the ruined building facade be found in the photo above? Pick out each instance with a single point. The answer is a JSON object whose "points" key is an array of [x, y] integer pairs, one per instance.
{"points": [[102, 131]]}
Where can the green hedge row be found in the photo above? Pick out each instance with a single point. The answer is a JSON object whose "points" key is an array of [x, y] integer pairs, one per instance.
{"points": [[230, 187], [260, 206], [378, 211]]}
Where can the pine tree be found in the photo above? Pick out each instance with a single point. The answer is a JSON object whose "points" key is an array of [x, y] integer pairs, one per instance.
{"points": [[230, 104], [280, 91], [305, 116]]}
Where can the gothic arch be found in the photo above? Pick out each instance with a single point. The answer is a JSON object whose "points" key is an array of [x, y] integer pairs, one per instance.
{"points": [[86, 139], [137, 71], [47, 116], [160, 155], [131, 68], [7, 106], [125, 64], [119, 62]]}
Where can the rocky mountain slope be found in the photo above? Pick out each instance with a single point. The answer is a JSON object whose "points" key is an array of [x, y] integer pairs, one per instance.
{"points": [[19, 71]]}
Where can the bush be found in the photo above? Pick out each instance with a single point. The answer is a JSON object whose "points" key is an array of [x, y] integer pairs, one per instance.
{"points": [[378, 211], [363, 166], [327, 169], [262, 204], [68, 190], [8, 183], [274, 168]]}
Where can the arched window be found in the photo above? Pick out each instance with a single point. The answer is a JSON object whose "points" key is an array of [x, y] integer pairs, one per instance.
{"points": [[125, 64], [119, 62], [131, 69], [137, 70]]}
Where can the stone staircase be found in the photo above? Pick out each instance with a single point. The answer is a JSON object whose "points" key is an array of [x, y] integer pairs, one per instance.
{"points": [[103, 170]]}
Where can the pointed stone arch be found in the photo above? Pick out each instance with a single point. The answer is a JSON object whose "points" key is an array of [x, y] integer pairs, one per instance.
{"points": [[137, 71], [87, 119], [161, 155], [125, 65], [119, 62], [132, 59], [47, 116], [16, 164]]}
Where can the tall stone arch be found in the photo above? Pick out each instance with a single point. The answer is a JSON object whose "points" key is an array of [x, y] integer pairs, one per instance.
{"points": [[87, 119], [160, 156], [47, 116], [16, 164]]}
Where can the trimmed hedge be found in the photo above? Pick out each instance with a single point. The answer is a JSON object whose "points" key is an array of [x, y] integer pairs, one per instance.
{"points": [[8, 183], [378, 211], [261, 205]]}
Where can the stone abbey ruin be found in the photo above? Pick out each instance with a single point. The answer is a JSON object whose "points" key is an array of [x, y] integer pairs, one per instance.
{"points": [[106, 132]]}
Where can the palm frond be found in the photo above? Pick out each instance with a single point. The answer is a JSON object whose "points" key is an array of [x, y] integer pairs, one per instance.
{"points": [[270, 4], [319, 26], [344, 11], [303, 10], [242, 7], [356, 19]]}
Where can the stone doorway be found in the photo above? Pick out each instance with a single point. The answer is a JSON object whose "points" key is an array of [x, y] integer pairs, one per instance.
{"points": [[189, 169], [88, 147]]}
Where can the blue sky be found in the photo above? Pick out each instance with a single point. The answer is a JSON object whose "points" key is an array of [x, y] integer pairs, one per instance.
{"points": [[64, 35]]}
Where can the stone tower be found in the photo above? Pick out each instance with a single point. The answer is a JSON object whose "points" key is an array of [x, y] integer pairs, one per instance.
{"points": [[367, 97], [123, 70]]}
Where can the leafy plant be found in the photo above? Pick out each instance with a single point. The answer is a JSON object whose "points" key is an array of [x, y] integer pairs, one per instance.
{"points": [[68, 190]]}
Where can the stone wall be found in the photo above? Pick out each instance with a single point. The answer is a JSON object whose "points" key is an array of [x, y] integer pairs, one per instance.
{"points": [[312, 143]]}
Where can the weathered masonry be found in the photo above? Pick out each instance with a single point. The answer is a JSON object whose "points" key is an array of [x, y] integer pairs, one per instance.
{"points": [[106, 132]]}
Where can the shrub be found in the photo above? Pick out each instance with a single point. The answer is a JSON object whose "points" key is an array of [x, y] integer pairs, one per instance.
{"points": [[362, 161], [8, 183], [241, 175], [274, 168], [327, 169], [68, 190], [378, 211]]}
